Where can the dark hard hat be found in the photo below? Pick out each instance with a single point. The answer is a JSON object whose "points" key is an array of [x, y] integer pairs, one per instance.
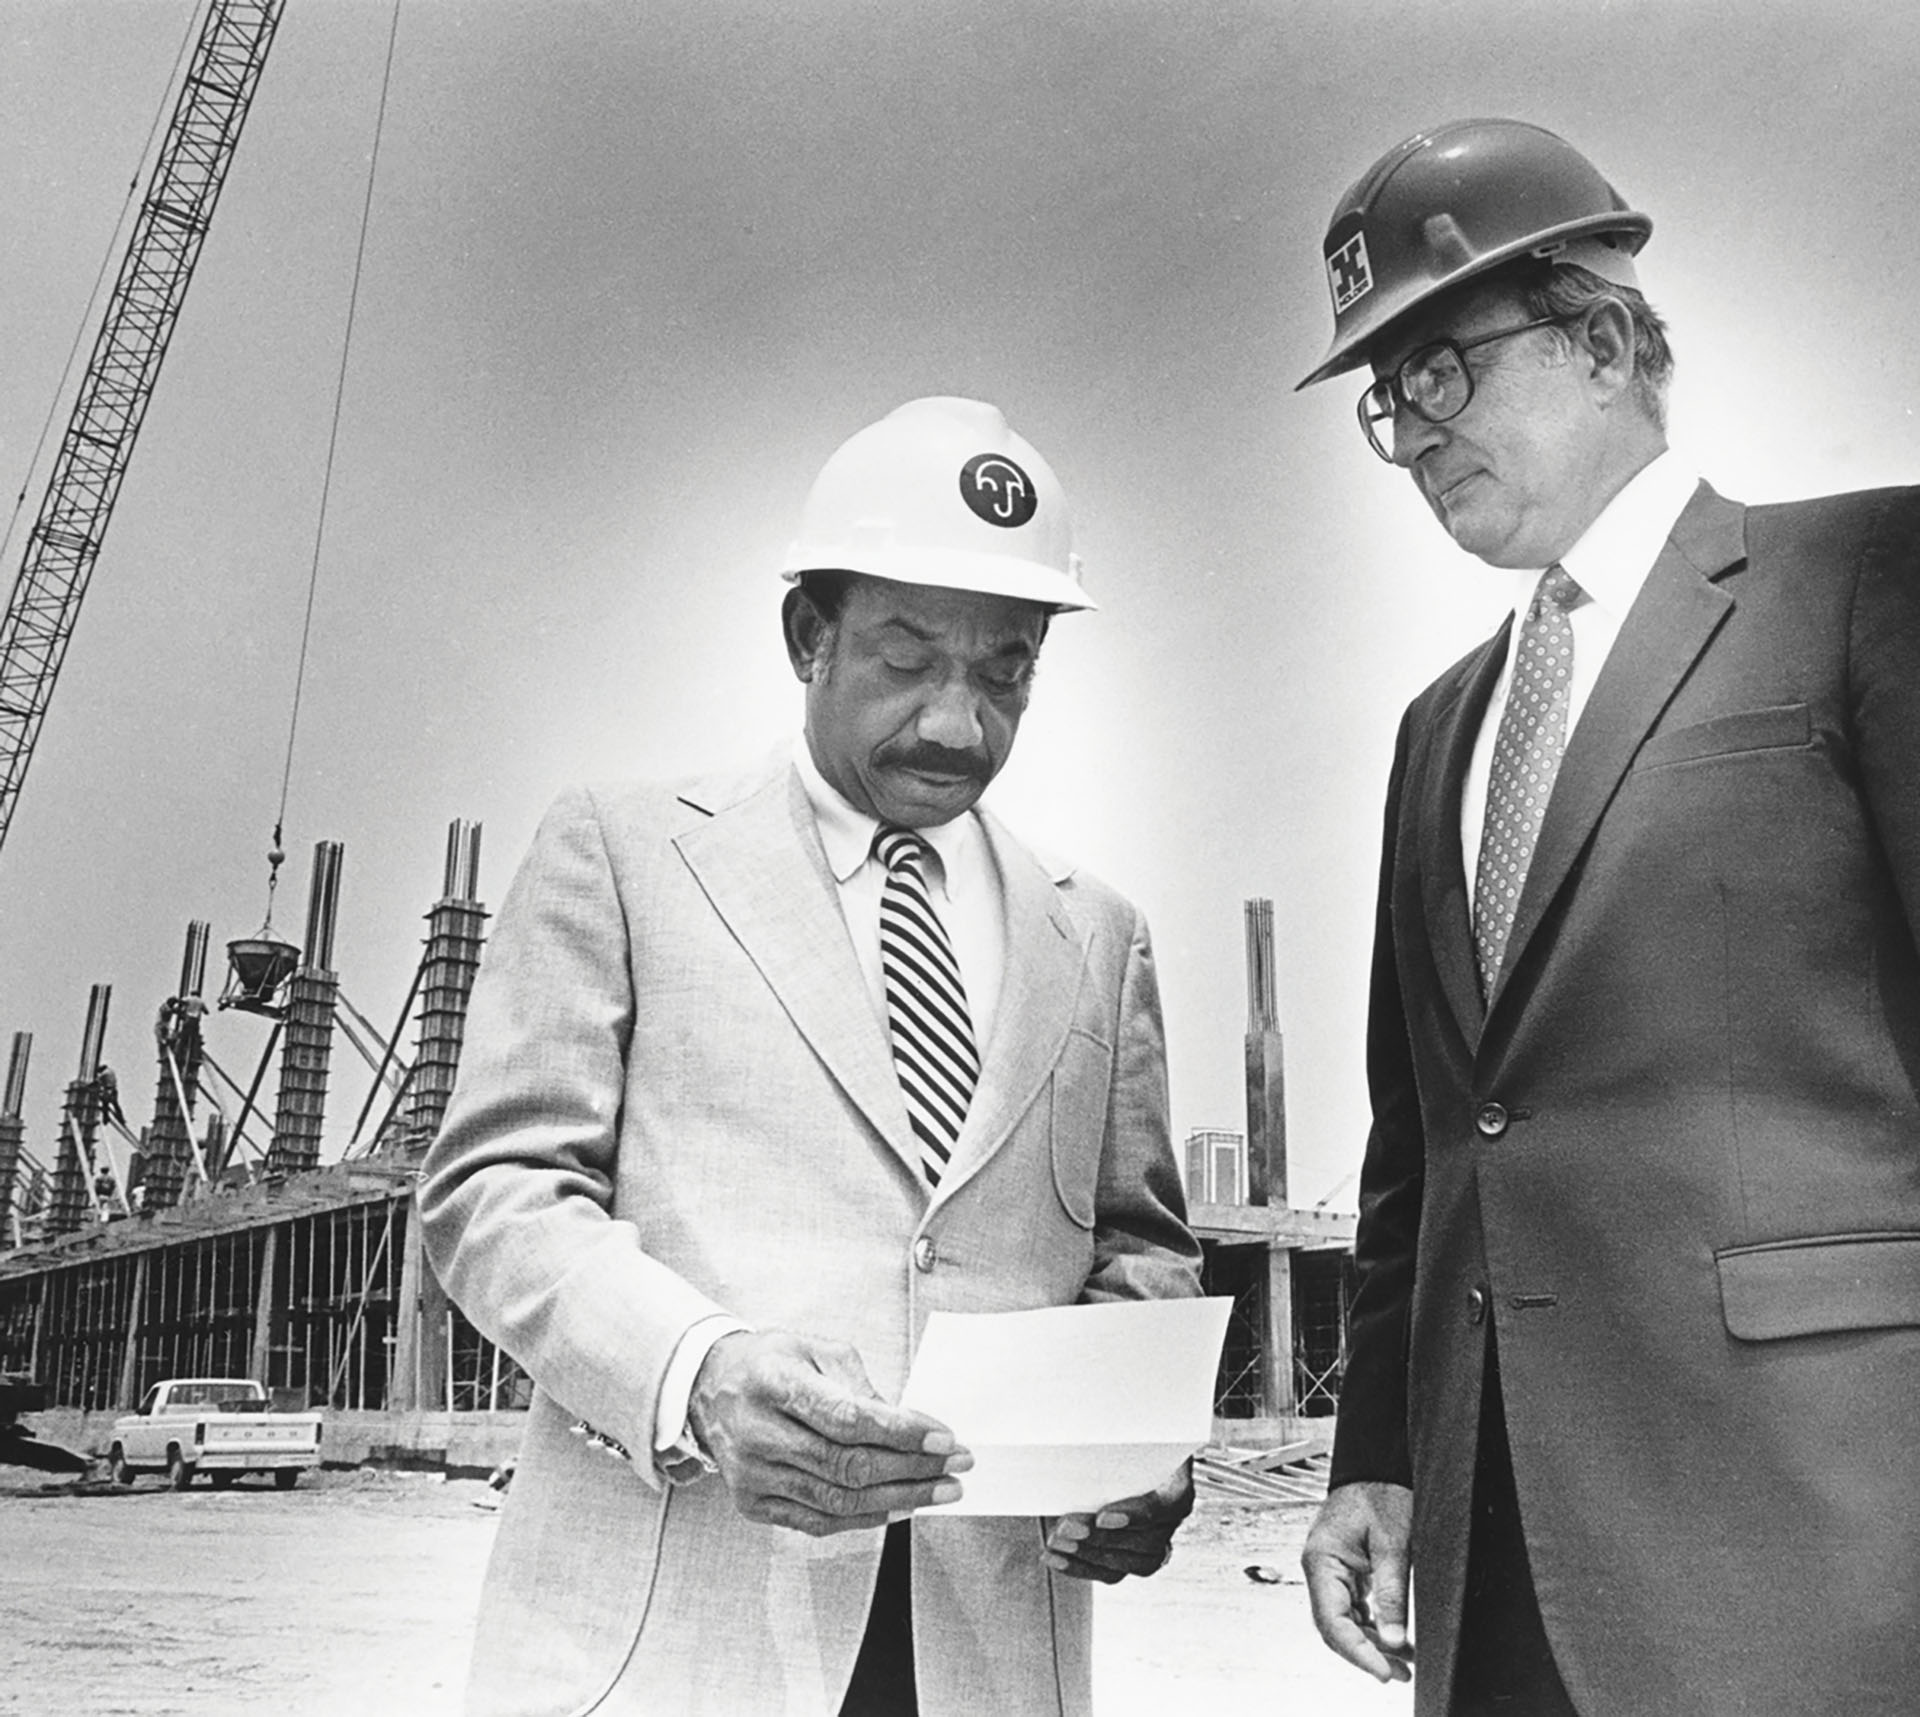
{"points": [[1454, 202]]}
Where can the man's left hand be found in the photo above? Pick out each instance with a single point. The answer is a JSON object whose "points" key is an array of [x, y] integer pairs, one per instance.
{"points": [[1132, 1536]]}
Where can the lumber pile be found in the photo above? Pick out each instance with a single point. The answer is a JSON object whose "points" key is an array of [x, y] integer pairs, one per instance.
{"points": [[1294, 1472]]}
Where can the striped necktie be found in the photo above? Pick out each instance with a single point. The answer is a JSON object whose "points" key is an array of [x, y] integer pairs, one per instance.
{"points": [[933, 1049], [1526, 757]]}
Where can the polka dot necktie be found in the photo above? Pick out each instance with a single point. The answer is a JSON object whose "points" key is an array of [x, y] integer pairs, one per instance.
{"points": [[1526, 757], [933, 1049]]}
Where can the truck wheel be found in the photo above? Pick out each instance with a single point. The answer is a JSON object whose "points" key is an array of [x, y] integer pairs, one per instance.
{"points": [[222, 1480], [117, 1466], [285, 1478], [179, 1470]]}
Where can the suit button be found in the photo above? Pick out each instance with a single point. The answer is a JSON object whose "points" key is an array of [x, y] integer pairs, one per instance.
{"points": [[1477, 1305], [924, 1254], [1492, 1120]]}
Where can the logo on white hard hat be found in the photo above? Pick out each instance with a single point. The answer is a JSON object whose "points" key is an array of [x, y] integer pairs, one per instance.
{"points": [[997, 490], [1349, 273]]}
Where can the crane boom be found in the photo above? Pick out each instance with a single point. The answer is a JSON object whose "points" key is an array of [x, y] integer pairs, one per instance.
{"points": [[65, 540]]}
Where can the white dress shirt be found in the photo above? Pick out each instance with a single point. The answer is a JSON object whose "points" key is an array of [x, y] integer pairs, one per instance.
{"points": [[967, 892], [1610, 563], [963, 880]]}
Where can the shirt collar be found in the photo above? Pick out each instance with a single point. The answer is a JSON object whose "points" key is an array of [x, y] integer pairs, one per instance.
{"points": [[847, 833], [1611, 560]]}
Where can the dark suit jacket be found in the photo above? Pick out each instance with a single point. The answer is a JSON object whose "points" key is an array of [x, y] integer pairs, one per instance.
{"points": [[1676, 1156]]}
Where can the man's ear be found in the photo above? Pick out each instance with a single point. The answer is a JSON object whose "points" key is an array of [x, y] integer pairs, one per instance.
{"points": [[809, 634], [1605, 334]]}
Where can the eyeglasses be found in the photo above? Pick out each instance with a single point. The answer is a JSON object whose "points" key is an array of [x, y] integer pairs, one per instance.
{"points": [[1433, 383]]}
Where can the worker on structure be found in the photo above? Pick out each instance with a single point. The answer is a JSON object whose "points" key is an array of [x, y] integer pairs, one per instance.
{"points": [[1635, 1362]]}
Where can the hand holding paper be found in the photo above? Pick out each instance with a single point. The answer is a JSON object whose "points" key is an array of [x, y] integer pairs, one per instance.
{"points": [[1067, 1408], [1132, 1536], [803, 1440]]}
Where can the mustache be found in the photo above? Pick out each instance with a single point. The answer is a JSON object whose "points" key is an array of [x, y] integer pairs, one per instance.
{"points": [[938, 760]]}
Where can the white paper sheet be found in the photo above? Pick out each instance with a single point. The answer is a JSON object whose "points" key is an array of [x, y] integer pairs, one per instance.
{"points": [[1070, 1407]]}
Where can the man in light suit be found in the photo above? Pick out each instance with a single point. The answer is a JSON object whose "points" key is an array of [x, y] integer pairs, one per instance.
{"points": [[761, 1070], [1635, 1353]]}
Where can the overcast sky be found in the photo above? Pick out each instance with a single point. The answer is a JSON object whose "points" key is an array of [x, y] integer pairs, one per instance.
{"points": [[633, 271]]}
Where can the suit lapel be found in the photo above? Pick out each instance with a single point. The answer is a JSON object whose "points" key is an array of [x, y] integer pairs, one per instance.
{"points": [[1678, 610], [761, 864], [1443, 871], [1039, 993]]}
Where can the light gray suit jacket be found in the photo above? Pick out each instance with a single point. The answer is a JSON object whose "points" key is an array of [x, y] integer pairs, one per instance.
{"points": [[676, 1097]]}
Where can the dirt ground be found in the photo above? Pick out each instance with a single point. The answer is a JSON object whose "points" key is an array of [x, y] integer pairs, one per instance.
{"points": [[353, 1596]]}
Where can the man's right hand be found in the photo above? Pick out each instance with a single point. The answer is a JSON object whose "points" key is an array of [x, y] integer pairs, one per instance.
{"points": [[802, 1438], [1357, 1559]]}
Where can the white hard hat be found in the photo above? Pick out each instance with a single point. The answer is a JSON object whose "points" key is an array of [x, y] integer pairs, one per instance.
{"points": [[940, 491]]}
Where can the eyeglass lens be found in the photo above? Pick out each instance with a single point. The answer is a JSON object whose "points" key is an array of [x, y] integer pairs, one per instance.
{"points": [[1435, 384]]}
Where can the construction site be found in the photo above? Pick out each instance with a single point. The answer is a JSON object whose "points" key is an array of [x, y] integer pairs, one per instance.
{"points": [[211, 1240], [230, 1223]]}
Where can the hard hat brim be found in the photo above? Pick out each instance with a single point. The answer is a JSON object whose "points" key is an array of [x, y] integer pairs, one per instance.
{"points": [[1349, 351], [948, 569]]}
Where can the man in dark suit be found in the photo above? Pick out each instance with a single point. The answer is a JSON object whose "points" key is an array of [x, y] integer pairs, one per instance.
{"points": [[1634, 1390]]}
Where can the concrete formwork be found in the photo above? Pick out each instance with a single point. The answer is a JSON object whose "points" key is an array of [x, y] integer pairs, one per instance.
{"points": [[310, 1278]]}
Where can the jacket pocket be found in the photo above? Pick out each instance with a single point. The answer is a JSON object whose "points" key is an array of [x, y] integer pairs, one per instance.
{"points": [[1776, 729], [1082, 1087], [1820, 1284]]}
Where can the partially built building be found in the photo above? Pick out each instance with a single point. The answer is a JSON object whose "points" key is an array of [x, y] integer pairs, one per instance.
{"points": [[214, 1240]]}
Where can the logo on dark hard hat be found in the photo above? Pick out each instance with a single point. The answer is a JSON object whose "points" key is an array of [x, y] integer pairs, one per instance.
{"points": [[1349, 274], [998, 490]]}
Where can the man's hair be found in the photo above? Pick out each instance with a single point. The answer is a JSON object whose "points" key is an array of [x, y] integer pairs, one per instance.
{"points": [[826, 588], [1563, 289]]}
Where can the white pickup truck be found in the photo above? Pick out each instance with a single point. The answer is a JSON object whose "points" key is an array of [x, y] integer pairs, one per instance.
{"points": [[222, 1426]]}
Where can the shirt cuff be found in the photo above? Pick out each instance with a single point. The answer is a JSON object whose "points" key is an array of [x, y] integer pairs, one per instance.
{"points": [[676, 1451]]}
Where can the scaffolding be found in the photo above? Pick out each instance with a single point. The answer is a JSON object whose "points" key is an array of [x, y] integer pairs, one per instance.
{"points": [[310, 1278], [1323, 1284], [177, 1032], [192, 1313], [81, 1325], [13, 1135], [1318, 1284], [456, 928], [82, 1183], [331, 1320], [480, 1377], [309, 1038], [1239, 1273], [311, 1304]]}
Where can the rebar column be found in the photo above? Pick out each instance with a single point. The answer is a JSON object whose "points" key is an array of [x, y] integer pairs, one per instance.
{"points": [[169, 1141], [456, 929], [309, 1039], [67, 1196], [73, 1189], [13, 1130], [1266, 1065]]}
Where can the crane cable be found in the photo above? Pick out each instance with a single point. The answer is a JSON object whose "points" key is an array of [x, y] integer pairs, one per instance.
{"points": [[333, 437], [127, 206]]}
